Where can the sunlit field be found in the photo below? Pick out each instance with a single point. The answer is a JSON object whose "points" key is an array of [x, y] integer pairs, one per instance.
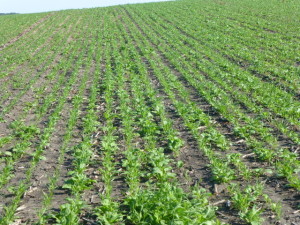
{"points": [[183, 112]]}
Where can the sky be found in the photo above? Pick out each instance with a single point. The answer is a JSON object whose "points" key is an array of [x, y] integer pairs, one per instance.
{"points": [[32, 6]]}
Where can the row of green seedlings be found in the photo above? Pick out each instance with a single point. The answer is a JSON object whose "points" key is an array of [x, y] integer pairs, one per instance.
{"points": [[207, 67], [261, 70], [221, 168], [246, 78], [42, 140], [8, 49], [24, 83], [220, 49], [34, 103], [83, 153], [18, 191], [252, 21], [279, 72], [286, 162], [40, 109], [269, 155], [162, 185], [26, 44], [109, 210], [264, 21], [265, 26], [144, 200], [19, 131], [281, 125], [39, 91], [222, 171], [13, 24], [15, 63]]}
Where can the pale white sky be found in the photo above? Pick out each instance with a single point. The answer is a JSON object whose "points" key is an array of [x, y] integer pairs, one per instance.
{"points": [[31, 6]]}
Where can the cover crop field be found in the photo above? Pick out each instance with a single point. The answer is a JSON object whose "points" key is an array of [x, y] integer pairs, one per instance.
{"points": [[184, 112]]}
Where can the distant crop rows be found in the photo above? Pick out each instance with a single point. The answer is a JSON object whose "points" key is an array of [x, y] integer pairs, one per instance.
{"points": [[13, 26], [184, 112]]}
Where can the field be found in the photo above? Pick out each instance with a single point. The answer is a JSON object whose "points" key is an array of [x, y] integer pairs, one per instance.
{"points": [[184, 112]]}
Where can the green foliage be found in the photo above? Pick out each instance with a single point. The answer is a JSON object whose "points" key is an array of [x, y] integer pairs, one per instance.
{"points": [[22, 131], [168, 204], [252, 216], [108, 212], [69, 213], [221, 171], [124, 82], [5, 140]]}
